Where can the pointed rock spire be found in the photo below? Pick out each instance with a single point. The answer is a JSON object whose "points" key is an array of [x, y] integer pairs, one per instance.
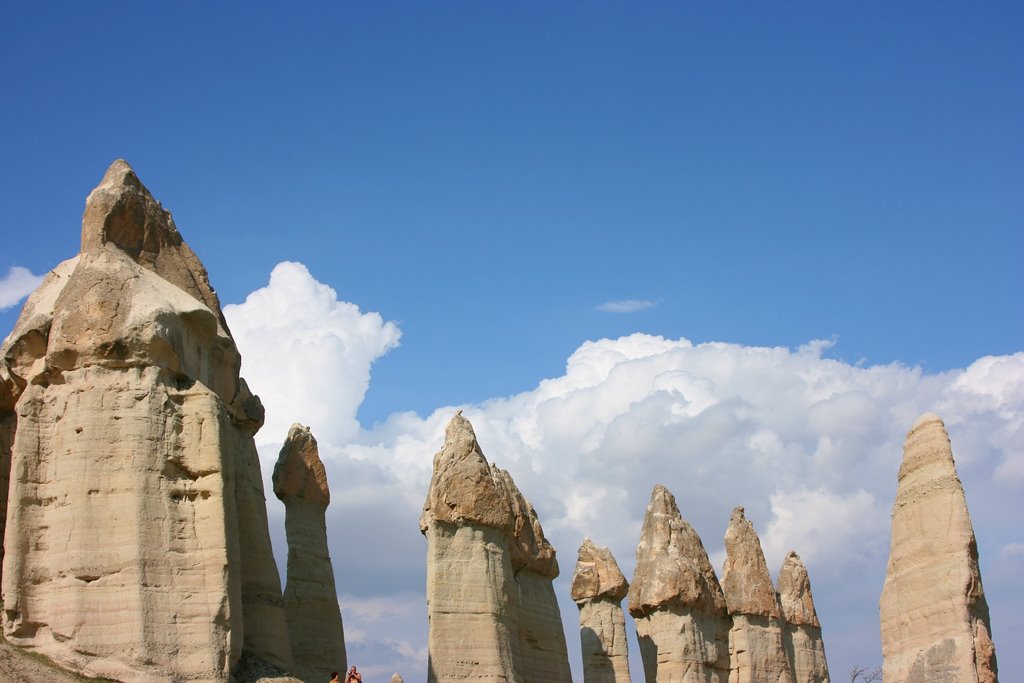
{"points": [[757, 650], [676, 599], [934, 616], [745, 579], [310, 596], [598, 587], [492, 609], [802, 635]]}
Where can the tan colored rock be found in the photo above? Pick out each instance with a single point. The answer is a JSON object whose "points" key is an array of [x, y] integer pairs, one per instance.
{"points": [[471, 591], [492, 609], [397, 678], [934, 617], [802, 637], [310, 596], [139, 547], [598, 587], [676, 600], [756, 648]]}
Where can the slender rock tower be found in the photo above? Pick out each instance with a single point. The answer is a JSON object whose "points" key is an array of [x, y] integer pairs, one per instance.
{"points": [[139, 546], [598, 588], [756, 650], [492, 610], [676, 600], [310, 597], [934, 617], [804, 645]]}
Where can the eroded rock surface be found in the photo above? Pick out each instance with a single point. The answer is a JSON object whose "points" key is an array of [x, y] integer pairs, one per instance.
{"points": [[676, 600], [598, 588], [802, 637], [492, 609], [934, 617], [310, 596], [139, 546], [756, 649]]}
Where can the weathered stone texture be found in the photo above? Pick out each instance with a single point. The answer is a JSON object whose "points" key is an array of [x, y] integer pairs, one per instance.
{"points": [[598, 587], [802, 636], [756, 649], [138, 547], [934, 617], [676, 600], [310, 596], [492, 609]]}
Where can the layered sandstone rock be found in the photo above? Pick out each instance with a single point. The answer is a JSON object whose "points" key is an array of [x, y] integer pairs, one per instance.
{"points": [[934, 617], [598, 587], [310, 596], [492, 609], [802, 637], [139, 546], [676, 600], [756, 649]]}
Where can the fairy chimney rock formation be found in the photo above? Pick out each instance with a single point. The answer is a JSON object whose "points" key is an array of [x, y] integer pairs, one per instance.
{"points": [[676, 600], [492, 609], [139, 547], [804, 645], [934, 617], [310, 597], [756, 649], [598, 588]]}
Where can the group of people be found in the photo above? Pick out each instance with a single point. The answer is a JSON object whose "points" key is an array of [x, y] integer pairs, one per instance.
{"points": [[352, 676]]}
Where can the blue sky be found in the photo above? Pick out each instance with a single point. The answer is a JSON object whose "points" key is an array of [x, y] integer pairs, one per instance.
{"points": [[487, 176]]}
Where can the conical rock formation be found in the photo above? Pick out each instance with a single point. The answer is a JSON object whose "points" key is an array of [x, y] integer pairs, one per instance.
{"points": [[310, 596], [139, 547], [492, 609], [676, 600], [804, 645], [598, 587], [934, 617], [756, 649]]}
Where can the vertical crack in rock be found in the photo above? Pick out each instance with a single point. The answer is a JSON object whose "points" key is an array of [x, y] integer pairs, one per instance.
{"points": [[492, 609], [805, 648], [934, 617], [310, 595], [676, 600], [598, 588], [756, 648], [133, 461]]}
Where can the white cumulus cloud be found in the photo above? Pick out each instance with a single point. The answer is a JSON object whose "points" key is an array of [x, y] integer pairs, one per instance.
{"points": [[307, 354], [809, 445], [624, 306], [16, 285]]}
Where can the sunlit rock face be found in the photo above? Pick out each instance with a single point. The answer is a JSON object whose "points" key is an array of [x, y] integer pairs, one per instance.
{"points": [[676, 600], [137, 546], [934, 617], [491, 605], [802, 636], [598, 588], [756, 648], [310, 597]]}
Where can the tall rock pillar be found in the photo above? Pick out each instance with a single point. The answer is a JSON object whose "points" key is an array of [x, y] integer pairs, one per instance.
{"points": [[756, 650], [139, 546], [310, 596], [676, 600], [471, 591], [804, 645], [934, 617], [598, 587]]}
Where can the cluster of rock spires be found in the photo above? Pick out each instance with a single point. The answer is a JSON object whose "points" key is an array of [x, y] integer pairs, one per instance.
{"points": [[137, 544]]}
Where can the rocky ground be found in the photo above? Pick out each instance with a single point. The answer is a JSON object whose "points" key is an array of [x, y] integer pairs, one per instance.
{"points": [[26, 667]]}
